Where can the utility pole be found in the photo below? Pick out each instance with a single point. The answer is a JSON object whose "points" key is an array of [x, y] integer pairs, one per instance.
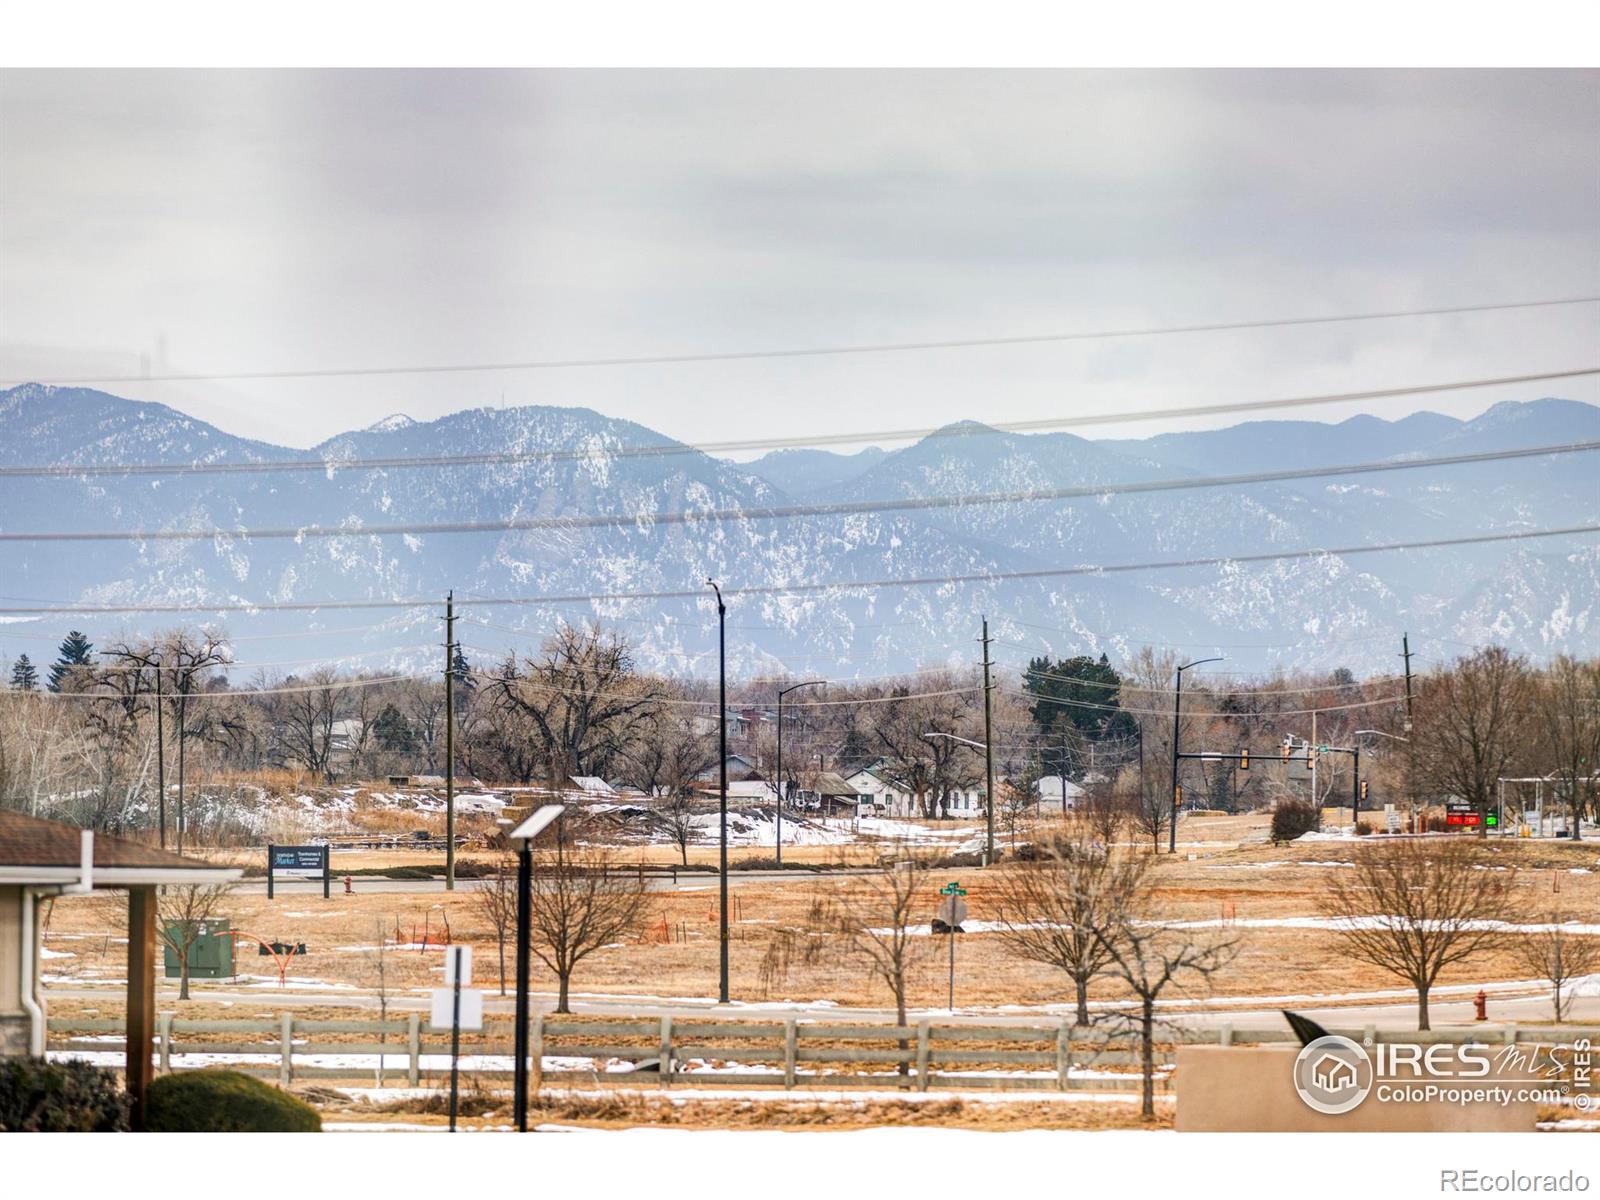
{"points": [[988, 749], [1411, 754], [1316, 800], [450, 741], [161, 761], [183, 726], [722, 787]]}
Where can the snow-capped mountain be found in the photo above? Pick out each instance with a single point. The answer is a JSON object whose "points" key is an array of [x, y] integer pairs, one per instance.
{"points": [[606, 482]]}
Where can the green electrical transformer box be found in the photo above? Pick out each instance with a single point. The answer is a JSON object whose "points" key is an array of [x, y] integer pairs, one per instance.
{"points": [[210, 947]]}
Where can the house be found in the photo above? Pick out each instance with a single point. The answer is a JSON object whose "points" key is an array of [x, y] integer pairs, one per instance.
{"points": [[739, 768], [39, 859], [743, 792], [1058, 795], [964, 802], [878, 794], [830, 794]]}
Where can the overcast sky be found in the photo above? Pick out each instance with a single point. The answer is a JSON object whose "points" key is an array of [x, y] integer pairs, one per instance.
{"points": [[243, 221]]}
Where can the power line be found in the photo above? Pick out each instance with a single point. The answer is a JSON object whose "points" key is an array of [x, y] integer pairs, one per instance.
{"points": [[1236, 716], [332, 685], [820, 351], [784, 511], [844, 585], [964, 429]]}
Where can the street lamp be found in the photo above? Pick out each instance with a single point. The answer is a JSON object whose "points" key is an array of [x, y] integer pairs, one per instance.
{"points": [[988, 854], [522, 837], [722, 784], [782, 692], [1177, 701]]}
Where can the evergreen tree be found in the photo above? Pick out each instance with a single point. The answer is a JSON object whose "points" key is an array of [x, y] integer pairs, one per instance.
{"points": [[1076, 703], [393, 731], [466, 683], [24, 678], [76, 654]]}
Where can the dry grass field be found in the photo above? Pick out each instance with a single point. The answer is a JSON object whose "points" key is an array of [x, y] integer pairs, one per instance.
{"points": [[1222, 872]]}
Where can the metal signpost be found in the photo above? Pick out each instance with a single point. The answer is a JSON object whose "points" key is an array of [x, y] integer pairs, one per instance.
{"points": [[298, 862], [952, 911], [459, 1007]]}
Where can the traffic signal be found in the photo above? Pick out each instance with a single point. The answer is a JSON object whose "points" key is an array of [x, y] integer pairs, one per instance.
{"points": [[1286, 751], [1177, 796], [1311, 757], [1244, 760], [1365, 784]]}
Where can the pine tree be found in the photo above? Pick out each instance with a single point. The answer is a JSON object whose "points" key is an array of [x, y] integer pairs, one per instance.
{"points": [[393, 731], [465, 682], [23, 676], [76, 654]]}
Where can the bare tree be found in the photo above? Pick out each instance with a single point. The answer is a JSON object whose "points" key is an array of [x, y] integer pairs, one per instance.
{"points": [[670, 754], [1559, 956], [1063, 910], [183, 911], [1148, 953], [1569, 708], [873, 923], [1476, 720], [1414, 907], [379, 970], [581, 903], [582, 696], [496, 900]]}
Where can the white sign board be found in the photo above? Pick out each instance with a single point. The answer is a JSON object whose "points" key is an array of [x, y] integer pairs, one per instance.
{"points": [[471, 1008], [1391, 818], [454, 955], [952, 910]]}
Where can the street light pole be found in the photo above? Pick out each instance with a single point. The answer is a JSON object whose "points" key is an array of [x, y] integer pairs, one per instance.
{"points": [[522, 837], [782, 692], [722, 787], [1177, 702]]}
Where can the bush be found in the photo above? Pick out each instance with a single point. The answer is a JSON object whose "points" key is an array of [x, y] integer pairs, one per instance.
{"points": [[225, 1102], [37, 1096], [1291, 818]]}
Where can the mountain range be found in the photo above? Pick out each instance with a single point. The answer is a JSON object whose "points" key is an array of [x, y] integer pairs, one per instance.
{"points": [[609, 480]]}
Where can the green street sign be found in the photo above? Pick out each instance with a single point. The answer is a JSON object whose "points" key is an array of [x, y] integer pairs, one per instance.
{"points": [[952, 889]]}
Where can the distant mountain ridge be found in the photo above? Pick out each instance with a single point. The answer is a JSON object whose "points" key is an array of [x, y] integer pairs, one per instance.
{"points": [[1537, 596]]}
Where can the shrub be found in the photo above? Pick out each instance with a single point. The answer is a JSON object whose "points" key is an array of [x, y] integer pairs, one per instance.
{"points": [[1291, 818], [225, 1102], [37, 1096]]}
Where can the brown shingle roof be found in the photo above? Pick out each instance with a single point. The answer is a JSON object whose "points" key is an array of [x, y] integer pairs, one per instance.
{"points": [[34, 842]]}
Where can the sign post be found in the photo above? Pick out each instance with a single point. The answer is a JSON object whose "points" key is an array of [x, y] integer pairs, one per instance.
{"points": [[952, 911], [298, 862], [461, 1008]]}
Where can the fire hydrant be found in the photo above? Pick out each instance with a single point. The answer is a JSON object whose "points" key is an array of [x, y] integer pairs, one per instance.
{"points": [[348, 890], [1481, 1003]]}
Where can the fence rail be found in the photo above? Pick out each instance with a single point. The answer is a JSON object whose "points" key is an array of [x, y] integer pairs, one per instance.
{"points": [[671, 1051]]}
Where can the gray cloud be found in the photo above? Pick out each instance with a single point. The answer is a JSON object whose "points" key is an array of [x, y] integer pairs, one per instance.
{"points": [[265, 220]]}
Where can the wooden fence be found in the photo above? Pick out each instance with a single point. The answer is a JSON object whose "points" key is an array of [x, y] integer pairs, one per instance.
{"points": [[682, 1051]]}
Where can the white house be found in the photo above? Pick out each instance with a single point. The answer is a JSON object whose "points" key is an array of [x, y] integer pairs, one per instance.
{"points": [[879, 795], [1058, 795]]}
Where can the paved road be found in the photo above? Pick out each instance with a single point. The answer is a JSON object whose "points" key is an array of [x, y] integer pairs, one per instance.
{"points": [[689, 881]]}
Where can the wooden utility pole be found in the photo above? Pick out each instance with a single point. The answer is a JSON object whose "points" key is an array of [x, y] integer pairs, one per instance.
{"points": [[161, 762], [988, 748], [450, 741], [1411, 753]]}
